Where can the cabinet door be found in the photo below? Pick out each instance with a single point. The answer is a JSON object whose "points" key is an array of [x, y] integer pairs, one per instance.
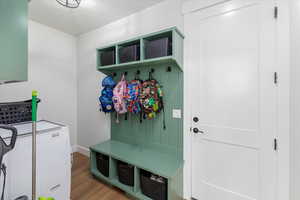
{"points": [[19, 168], [53, 166], [13, 40], [53, 159]]}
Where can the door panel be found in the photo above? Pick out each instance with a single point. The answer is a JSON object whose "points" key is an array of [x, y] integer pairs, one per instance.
{"points": [[230, 55], [240, 165], [229, 76]]}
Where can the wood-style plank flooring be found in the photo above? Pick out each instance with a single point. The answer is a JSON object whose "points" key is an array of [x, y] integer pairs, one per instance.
{"points": [[85, 187]]}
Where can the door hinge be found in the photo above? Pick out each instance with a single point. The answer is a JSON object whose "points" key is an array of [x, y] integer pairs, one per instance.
{"points": [[275, 144], [275, 12], [275, 78]]}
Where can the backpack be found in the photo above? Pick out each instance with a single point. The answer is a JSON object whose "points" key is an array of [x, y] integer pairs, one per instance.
{"points": [[134, 88], [108, 82], [119, 97], [151, 99], [106, 102], [133, 104]]}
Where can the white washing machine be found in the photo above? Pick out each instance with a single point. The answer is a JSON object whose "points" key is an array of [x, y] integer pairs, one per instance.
{"points": [[53, 161]]}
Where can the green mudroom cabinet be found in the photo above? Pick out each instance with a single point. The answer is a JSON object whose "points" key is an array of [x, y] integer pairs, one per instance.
{"points": [[13, 40], [146, 146]]}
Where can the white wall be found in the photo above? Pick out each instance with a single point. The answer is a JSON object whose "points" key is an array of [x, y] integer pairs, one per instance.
{"points": [[93, 126], [295, 99], [52, 71]]}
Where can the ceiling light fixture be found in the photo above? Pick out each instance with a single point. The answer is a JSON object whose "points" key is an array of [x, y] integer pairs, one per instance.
{"points": [[69, 3]]}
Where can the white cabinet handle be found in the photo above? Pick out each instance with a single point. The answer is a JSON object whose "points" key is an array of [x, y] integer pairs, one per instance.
{"points": [[55, 135], [55, 187]]}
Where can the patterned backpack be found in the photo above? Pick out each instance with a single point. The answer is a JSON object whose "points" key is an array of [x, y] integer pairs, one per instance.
{"points": [[151, 99], [134, 88], [119, 97], [106, 102]]}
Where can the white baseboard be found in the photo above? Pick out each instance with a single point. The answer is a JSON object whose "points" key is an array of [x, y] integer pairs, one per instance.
{"points": [[83, 150], [74, 148]]}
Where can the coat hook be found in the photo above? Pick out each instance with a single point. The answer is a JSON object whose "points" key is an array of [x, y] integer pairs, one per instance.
{"points": [[138, 72], [125, 73], [150, 73], [169, 69], [114, 74]]}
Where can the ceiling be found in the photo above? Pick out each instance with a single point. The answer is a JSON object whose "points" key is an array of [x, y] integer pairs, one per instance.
{"points": [[90, 15]]}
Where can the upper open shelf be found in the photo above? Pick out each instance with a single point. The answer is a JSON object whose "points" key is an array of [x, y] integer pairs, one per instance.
{"points": [[165, 46]]}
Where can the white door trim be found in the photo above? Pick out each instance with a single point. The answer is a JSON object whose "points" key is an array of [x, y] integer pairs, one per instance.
{"points": [[283, 66]]}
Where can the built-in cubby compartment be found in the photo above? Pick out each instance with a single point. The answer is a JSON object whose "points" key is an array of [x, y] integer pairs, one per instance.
{"points": [[95, 170], [158, 45], [115, 179], [165, 46], [153, 186], [129, 51], [102, 164], [107, 56]]}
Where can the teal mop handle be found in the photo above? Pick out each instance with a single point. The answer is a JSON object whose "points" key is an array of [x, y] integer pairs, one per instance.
{"points": [[34, 131]]}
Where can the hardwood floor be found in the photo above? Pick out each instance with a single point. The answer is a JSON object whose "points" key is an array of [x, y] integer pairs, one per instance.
{"points": [[85, 187]]}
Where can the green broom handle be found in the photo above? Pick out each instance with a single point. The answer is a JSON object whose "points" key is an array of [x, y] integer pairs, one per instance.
{"points": [[34, 106]]}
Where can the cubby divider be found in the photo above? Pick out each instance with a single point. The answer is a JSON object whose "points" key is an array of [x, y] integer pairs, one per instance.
{"points": [[142, 47], [113, 169], [136, 180]]}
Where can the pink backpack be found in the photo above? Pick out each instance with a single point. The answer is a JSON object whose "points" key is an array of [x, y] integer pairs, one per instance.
{"points": [[119, 98]]}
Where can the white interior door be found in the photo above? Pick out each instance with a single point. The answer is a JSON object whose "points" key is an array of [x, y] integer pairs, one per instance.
{"points": [[230, 58]]}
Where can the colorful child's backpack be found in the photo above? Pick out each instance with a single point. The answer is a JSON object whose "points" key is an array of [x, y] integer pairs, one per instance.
{"points": [[105, 99], [119, 97], [134, 89], [151, 99]]}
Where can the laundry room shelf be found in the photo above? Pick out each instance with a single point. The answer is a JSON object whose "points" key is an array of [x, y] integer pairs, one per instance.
{"points": [[111, 53], [146, 63]]}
